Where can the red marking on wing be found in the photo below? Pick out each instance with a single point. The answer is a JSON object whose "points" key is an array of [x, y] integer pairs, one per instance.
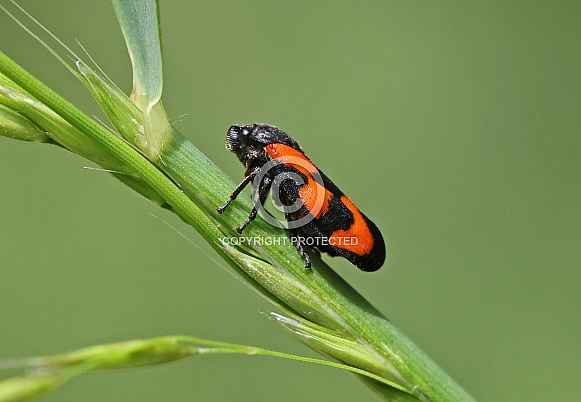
{"points": [[310, 192], [344, 238]]}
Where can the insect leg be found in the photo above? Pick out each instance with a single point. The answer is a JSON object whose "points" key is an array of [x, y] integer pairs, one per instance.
{"points": [[262, 193], [299, 246], [238, 189]]}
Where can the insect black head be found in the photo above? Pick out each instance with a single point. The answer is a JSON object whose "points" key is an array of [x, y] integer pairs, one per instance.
{"points": [[248, 142], [237, 141]]}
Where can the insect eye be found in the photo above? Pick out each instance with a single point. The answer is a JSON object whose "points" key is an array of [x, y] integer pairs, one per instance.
{"points": [[232, 139]]}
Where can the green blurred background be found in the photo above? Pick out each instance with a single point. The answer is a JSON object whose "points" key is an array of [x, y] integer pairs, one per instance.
{"points": [[454, 126]]}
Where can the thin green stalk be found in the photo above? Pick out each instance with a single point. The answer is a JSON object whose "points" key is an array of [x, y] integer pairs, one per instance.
{"points": [[55, 370], [180, 203]]}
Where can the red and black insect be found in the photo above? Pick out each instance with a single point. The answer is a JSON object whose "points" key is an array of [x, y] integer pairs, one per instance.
{"points": [[318, 213]]}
